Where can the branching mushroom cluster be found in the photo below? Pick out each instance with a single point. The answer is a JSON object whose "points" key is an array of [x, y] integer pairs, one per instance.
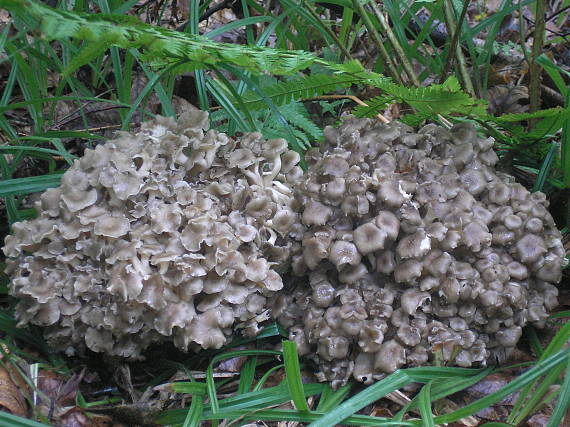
{"points": [[416, 250], [169, 234], [405, 248]]}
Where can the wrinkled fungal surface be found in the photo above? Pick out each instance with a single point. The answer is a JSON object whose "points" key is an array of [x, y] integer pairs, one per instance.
{"points": [[416, 250], [170, 234]]}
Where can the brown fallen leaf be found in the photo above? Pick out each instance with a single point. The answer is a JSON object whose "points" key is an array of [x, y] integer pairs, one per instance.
{"points": [[508, 99], [12, 399], [77, 418], [538, 420], [57, 388], [231, 365]]}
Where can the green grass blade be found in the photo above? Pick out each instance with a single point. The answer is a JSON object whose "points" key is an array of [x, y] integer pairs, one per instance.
{"points": [[163, 97], [188, 387], [33, 184], [533, 403], [331, 400], [9, 420], [371, 394], [545, 167], [266, 376], [304, 417], [28, 84], [123, 8], [521, 381], [211, 387], [246, 375], [444, 387], [237, 24], [199, 76], [561, 407], [194, 416], [293, 372], [227, 104], [424, 404], [557, 343], [41, 100], [19, 148], [560, 315], [554, 71], [254, 400], [146, 90]]}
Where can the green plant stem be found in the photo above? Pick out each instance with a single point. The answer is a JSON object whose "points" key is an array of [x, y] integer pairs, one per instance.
{"points": [[374, 34], [535, 68], [454, 42], [451, 25], [565, 141], [395, 44], [345, 53], [522, 32]]}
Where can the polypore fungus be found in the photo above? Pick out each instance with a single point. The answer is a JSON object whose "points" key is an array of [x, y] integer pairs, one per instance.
{"points": [[416, 249], [170, 234]]}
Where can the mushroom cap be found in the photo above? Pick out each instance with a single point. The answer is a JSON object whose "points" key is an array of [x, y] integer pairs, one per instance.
{"points": [[343, 252], [369, 238]]}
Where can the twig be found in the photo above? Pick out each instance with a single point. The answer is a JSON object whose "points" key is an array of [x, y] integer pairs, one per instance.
{"points": [[97, 107], [454, 41], [450, 22], [556, 33], [374, 34], [444, 121], [397, 47], [351, 97], [535, 69]]}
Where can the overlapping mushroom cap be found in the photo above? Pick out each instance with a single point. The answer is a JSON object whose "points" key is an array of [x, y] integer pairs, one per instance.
{"points": [[416, 250], [172, 233]]}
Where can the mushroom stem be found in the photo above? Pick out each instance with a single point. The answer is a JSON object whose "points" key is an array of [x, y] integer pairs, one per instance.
{"points": [[270, 176], [254, 176]]}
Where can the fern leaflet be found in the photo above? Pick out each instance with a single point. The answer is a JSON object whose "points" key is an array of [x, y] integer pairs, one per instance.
{"points": [[161, 47], [304, 87]]}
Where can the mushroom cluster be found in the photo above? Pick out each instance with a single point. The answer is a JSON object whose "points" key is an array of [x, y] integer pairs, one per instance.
{"points": [[416, 250], [172, 233]]}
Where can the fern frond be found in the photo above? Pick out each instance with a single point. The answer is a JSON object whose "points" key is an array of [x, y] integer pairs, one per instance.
{"points": [[435, 99], [519, 117], [87, 53], [296, 114], [161, 47], [416, 119], [374, 105], [548, 122], [286, 92]]}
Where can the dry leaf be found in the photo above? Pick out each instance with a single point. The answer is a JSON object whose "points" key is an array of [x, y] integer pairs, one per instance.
{"points": [[77, 418], [57, 388], [11, 398], [508, 99]]}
